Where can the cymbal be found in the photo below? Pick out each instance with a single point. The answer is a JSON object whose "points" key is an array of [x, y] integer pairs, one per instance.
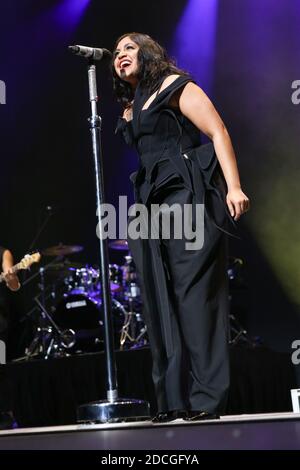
{"points": [[62, 250], [64, 266], [121, 245], [61, 270]]}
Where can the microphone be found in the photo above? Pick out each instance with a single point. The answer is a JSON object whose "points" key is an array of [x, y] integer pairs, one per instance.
{"points": [[90, 52]]}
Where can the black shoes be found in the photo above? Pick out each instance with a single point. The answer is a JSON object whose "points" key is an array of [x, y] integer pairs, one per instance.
{"points": [[198, 415], [191, 415], [167, 416]]}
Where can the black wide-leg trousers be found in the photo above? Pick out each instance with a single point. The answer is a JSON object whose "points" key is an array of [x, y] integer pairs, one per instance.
{"points": [[197, 296]]}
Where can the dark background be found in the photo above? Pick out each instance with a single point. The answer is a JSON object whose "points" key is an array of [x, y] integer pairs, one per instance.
{"points": [[46, 154]]}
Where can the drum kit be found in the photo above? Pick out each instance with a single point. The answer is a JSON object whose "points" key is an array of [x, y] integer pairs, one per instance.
{"points": [[70, 305]]}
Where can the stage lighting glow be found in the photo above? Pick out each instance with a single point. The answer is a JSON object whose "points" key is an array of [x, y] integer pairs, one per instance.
{"points": [[194, 40], [69, 12]]}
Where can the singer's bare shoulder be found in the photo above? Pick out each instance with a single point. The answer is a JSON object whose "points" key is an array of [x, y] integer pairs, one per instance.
{"points": [[175, 96], [168, 81]]}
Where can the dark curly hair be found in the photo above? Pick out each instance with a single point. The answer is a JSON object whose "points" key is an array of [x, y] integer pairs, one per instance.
{"points": [[154, 65]]}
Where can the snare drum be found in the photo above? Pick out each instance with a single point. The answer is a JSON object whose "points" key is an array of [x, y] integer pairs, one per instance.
{"points": [[87, 280], [115, 282], [82, 280]]}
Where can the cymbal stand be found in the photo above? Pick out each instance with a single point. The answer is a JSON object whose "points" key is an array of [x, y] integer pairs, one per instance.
{"points": [[237, 332], [129, 328], [49, 338], [43, 331], [140, 336], [61, 338]]}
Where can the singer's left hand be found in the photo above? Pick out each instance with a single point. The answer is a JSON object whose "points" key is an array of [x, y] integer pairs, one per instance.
{"points": [[237, 202]]}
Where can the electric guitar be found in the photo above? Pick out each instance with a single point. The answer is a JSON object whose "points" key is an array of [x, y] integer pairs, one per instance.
{"points": [[25, 263]]}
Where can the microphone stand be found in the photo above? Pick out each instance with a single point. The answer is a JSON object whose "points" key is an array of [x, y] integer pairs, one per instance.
{"points": [[114, 409]]}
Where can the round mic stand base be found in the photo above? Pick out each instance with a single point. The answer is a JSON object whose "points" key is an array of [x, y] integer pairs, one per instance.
{"points": [[119, 410]]}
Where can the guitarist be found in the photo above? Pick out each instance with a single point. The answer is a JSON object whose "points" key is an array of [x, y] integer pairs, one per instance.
{"points": [[7, 262], [13, 284]]}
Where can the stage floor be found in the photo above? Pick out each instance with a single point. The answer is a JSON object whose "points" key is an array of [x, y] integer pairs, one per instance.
{"points": [[244, 432], [48, 393]]}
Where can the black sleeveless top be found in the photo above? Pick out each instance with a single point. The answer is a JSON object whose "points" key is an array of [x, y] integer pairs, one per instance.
{"points": [[161, 135]]}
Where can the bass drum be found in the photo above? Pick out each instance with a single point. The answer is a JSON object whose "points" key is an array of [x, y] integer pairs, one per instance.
{"points": [[84, 316]]}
